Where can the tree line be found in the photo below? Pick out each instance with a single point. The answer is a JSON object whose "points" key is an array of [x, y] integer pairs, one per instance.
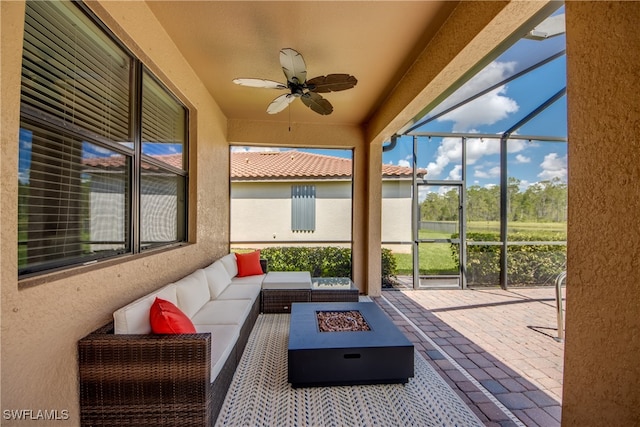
{"points": [[545, 201]]}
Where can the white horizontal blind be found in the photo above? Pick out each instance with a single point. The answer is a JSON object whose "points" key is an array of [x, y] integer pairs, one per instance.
{"points": [[72, 207], [163, 123], [303, 208], [73, 72], [162, 188]]}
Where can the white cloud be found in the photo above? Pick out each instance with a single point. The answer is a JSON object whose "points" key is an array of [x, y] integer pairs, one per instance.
{"points": [[456, 173], [524, 184], [23, 176], [479, 147], [404, 163], [553, 166], [489, 108], [522, 159], [238, 149], [25, 144], [479, 172], [450, 150], [92, 151], [486, 110]]}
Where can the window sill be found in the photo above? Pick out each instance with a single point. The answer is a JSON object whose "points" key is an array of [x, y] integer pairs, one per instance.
{"points": [[53, 276]]}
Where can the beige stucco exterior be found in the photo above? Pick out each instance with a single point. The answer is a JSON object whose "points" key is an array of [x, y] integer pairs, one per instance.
{"points": [[261, 214], [43, 318], [396, 216], [602, 351]]}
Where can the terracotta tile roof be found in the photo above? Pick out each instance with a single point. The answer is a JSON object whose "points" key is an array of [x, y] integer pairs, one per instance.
{"points": [[116, 161], [247, 165]]}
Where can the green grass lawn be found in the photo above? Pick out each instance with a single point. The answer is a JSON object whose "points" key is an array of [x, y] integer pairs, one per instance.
{"points": [[485, 226], [436, 258]]}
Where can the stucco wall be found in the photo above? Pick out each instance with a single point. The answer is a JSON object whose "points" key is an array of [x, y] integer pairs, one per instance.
{"points": [[396, 215], [42, 323], [262, 212], [602, 351]]}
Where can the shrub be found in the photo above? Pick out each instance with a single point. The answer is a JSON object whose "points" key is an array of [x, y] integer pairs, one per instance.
{"points": [[526, 264], [323, 261], [389, 267]]}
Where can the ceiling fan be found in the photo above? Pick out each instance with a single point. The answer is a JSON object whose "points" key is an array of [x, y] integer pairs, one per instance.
{"points": [[299, 87]]}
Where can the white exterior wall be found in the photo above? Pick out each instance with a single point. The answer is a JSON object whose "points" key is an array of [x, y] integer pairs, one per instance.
{"points": [[261, 212], [396, 215]]}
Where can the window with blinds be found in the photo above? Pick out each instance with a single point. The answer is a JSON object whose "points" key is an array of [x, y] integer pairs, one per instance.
{"points": [[94, 182], [303, 208]]}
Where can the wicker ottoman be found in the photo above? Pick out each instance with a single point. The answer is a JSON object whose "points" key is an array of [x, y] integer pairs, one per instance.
{"points": [[281, 288]]}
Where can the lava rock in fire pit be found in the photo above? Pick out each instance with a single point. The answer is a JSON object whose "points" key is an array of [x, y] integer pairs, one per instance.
{"points": [[341, 321]]}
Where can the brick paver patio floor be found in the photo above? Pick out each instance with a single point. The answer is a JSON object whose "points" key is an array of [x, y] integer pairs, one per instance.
{"points": [[496, 348]]}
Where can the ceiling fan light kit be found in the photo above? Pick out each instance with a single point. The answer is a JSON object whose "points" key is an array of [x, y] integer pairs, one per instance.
{"points": [[308, 91]]}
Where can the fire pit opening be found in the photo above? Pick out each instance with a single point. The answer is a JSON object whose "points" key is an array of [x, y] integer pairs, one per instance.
{"points": [[341, 321]]}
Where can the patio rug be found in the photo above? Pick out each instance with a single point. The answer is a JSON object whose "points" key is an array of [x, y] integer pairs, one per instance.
{"points": [[260, 394]]}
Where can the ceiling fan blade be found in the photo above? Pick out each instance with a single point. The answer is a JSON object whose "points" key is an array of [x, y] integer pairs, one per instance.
{"points": [[331, 83], [268, 84], [317, 103], [293, 65], [280, 103]]}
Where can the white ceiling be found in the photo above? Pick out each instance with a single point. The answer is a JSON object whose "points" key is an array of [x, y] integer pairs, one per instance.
{"points": [[376, 41]]}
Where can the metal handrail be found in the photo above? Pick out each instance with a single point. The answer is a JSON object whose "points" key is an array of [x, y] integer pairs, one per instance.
{"points": [[559, 280]]}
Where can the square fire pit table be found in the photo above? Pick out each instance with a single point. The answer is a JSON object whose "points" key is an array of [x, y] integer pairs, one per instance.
{"points": [[381, 355]]}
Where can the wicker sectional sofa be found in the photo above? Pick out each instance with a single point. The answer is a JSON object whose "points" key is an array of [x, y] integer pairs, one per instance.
{"points": [[132, 377]]}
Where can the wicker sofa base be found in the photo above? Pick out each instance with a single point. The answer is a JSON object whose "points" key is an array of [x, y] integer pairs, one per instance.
{"points": [[280, 300], [154, 380], [351, 295]]}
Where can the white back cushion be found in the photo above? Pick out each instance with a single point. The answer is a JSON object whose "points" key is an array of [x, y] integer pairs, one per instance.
{"points": [[134, 317], [192, 292], [231, 264], [217, 278]]}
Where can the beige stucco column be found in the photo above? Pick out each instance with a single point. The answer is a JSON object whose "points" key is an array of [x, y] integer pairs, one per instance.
{"points": [[602, 352], [374, 220]]}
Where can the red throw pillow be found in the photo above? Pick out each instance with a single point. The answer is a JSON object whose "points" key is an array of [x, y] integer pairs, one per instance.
{"points": [[249, 264], [166, 318]]}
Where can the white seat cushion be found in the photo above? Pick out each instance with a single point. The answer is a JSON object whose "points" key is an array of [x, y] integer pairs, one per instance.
{"points": [[217, 278], [250, 292], [133, 318], [249, 280], [287, 280], [231, 264], [223, 339], [223, 312], [193, 292]]}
